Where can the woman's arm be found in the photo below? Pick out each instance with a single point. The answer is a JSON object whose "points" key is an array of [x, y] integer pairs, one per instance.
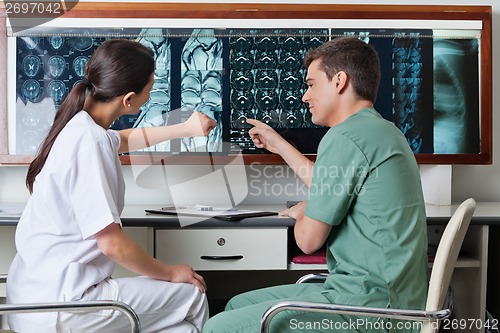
{"points": [[198, 124], [115, 244]]}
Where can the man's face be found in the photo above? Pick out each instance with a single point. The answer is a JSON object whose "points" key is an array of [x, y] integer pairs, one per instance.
{"points": [[320, 95]]}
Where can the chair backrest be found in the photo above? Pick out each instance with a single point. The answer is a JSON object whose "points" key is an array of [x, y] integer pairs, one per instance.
{"points": [[446, 257]]}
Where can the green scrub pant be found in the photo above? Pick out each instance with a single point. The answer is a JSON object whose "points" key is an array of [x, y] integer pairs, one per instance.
{"points": [[243, 313]]}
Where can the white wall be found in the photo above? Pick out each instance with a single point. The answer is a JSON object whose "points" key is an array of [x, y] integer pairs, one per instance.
{"points": [[276, 184]]}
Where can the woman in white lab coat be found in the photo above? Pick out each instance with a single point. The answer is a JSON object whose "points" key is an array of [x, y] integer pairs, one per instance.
{"points": [[70, 237]]}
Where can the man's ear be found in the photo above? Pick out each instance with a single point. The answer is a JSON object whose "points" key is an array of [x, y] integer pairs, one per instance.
{"points": [[127, 99], [341, 80]]}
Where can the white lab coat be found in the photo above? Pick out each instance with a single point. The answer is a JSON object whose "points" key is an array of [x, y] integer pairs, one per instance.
{"points": [[79, 192]]}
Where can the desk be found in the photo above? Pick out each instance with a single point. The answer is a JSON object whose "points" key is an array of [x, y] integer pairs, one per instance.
{"points": [[253, 252]]}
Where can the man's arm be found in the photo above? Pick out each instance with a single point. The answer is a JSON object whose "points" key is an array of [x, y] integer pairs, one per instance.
{"points": [[132, 139], [115, 244], [310, 234], [264, 136]]}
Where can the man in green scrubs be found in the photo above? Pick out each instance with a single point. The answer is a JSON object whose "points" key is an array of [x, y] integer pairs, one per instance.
{"points": [[365, 205]]}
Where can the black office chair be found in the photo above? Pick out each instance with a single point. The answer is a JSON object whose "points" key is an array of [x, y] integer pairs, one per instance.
{"points": [[76, 306], [442, 270]]}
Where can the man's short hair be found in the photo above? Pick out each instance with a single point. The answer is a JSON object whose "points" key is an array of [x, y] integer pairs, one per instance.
{"points": [[359, 60]]}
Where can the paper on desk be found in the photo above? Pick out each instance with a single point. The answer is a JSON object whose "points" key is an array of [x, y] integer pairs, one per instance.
{"points": [[224, 213], [202, 210]]}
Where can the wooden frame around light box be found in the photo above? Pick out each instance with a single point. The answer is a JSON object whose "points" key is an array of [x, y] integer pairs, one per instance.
{"points": [[278, 11]]}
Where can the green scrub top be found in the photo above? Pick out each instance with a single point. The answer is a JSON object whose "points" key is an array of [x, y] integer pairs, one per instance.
{"points": [[366, 184]]}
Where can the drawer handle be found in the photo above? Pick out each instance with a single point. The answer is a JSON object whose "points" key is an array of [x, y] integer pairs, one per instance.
{"points": [[237, 257]]}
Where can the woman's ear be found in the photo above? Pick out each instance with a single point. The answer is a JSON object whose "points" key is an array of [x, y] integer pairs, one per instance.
{"points": [[128, 99]]}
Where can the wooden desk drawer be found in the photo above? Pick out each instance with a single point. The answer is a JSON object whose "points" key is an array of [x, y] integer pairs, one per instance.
{"points": [[224, 248]]}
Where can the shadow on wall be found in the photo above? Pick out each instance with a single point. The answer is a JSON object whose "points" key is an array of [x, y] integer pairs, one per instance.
{"points": [[492, 299], [12, 184]]}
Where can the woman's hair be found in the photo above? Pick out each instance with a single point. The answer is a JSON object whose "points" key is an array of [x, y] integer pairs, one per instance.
{"points": [[116, 68], [357, 59]]}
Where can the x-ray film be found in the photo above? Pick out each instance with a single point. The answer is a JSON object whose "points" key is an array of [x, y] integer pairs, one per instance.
{"points": [[429, 86]]}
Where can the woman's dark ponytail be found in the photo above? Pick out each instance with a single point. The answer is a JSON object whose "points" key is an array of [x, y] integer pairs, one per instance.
{"points": [[72, 104]]}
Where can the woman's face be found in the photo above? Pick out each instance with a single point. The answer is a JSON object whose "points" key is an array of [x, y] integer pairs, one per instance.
{"points": [[142, 97]]}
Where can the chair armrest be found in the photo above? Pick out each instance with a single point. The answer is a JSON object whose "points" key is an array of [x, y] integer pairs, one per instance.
{"points": [[312, 277], [76, 306], [402, 314]]}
